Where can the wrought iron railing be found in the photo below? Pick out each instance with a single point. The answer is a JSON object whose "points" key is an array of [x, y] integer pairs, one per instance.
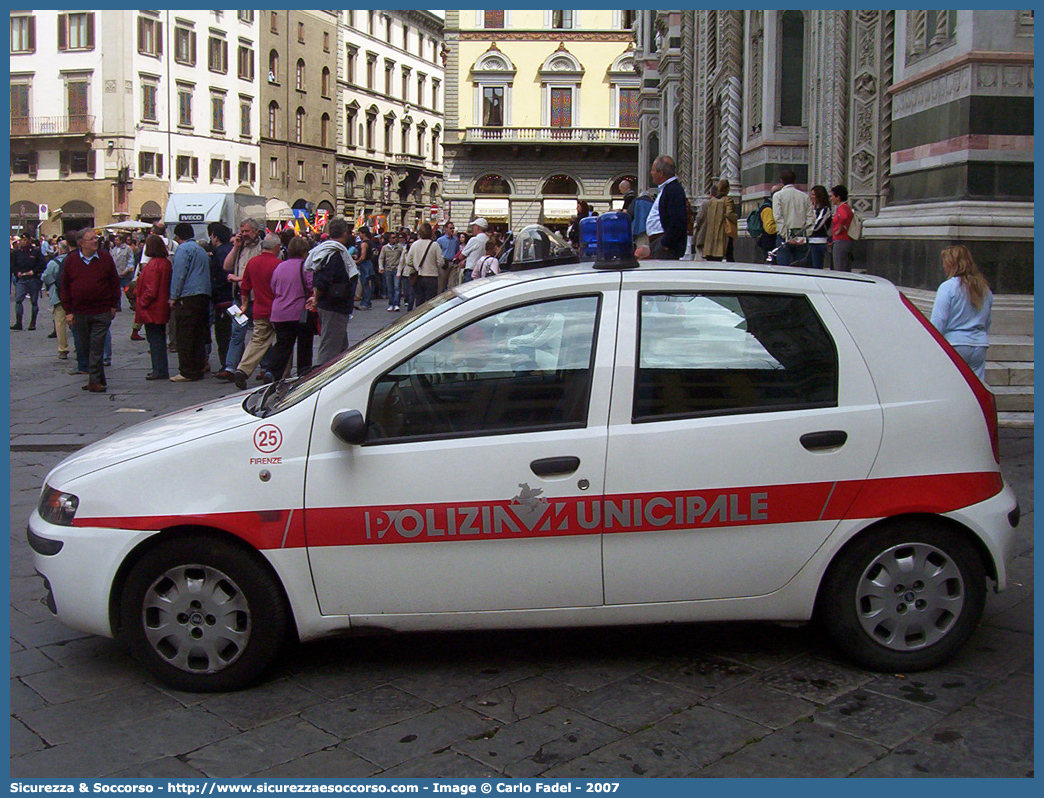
{"points": [[52, 125]]}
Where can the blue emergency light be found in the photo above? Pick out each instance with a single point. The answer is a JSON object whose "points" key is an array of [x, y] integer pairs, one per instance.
{"points": [[588, 237], [615, 247]]}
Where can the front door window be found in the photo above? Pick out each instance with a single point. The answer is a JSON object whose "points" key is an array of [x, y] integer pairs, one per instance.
{"points": [[523, 369]]}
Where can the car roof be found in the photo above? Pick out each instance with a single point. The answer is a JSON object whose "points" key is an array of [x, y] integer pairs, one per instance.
{"points": [[518, 277]]}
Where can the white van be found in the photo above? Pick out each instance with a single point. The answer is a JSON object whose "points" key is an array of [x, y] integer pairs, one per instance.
{"points": [[201, 209]]}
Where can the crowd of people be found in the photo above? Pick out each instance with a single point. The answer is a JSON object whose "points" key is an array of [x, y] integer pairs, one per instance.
{"points": [[258, 296], [252, 295]]}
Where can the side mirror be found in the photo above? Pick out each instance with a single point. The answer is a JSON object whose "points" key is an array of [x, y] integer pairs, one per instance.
{"points": [[350, 427]]}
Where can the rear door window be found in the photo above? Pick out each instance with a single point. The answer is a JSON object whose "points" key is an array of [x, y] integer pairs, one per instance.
{"points": [[714, 354]]}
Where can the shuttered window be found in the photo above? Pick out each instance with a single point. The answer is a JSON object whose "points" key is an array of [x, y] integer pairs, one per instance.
{"points": [[76, 31]]}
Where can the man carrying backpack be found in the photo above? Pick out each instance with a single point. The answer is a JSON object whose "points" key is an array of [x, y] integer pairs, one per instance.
{"points": [[51, 277], [761, 224]]}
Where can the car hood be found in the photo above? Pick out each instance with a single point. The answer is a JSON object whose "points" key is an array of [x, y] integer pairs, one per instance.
{"points": [[152, 436]]}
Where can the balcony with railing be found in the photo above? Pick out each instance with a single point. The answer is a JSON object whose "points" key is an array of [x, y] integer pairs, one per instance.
{"points": [[79, 125], [552, 135], [409, 159]]}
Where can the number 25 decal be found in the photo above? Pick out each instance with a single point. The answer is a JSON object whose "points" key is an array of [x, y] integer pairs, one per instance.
{"points": [[268, 438]]}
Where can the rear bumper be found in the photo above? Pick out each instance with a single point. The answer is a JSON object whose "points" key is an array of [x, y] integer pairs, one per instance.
{"points": [[994, 521]]}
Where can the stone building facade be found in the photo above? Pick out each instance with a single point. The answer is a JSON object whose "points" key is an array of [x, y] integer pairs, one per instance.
{"points": [[926, 117], [112, 111], [391, 93], [541, 110], [298, 53]]}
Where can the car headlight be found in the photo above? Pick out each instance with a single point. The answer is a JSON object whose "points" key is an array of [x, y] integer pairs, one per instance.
{"points": [[57, 507]]}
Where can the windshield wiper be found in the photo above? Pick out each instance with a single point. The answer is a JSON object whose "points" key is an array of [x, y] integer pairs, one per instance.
{"points": [[262, 401], [277, 391]]}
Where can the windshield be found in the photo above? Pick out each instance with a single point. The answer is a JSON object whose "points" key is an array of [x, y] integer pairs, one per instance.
{"points": [[281, 395]]}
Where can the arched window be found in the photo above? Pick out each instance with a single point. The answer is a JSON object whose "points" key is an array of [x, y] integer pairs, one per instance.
{"points": [[324, 131], [492, 184], [368, 187], [273, 119], [300, 74], [561, 185], [273, 67], [326, 82], [371, 126], [560, 77], [433, 193], [493, 75], [299, 129], [349, 185], [792, 69]]}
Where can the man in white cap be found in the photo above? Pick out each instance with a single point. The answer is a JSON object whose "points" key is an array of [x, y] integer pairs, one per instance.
{"points": [[473, 251]]}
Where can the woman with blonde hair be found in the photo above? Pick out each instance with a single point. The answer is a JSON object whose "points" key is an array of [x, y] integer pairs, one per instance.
{"points": [[963, 307]]}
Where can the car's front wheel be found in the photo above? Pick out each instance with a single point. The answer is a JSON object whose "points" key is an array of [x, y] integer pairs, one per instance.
{"points": [[203, 615], [904, 598]]}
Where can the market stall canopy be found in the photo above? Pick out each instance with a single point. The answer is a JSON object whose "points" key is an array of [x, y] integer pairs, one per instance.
{"points": [[278, 209], [130, 224]]}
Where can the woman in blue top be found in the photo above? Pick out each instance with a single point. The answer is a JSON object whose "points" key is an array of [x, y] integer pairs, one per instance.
{"points": [[962, 308]]}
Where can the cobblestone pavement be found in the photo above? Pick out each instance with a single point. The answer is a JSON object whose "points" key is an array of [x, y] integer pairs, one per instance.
{"points": [[680, 700]]}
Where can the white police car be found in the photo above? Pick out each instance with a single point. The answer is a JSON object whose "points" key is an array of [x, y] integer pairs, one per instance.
{"points": [[563, 447]]}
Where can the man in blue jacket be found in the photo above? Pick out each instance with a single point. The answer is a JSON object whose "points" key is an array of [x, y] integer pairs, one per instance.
{"points": [[190, 304], [666, 222]]}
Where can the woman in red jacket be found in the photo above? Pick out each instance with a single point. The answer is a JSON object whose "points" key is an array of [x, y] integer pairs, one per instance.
{"points": [[152, 304]]}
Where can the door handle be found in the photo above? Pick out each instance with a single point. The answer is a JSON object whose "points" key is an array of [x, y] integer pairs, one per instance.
{"points": [[555, 466], [827, 439]]}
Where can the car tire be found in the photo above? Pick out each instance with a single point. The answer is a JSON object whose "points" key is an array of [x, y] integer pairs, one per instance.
{"points": [[905, 597], [203, 615]]}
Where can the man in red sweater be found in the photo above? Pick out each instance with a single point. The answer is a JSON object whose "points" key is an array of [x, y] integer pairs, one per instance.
{"points": [[90, 293], [257, 281]]}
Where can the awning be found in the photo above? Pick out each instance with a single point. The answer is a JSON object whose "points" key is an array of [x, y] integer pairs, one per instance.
{"points": [[130, 224], [494, 210], [277, 209], [559, 210]]}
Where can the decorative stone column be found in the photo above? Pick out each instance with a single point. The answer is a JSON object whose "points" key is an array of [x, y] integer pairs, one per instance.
{"points": [[730, 96], [828, 124]]}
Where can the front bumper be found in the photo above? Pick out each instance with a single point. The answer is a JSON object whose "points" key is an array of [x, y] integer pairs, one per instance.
{"points": [[80, 572]]}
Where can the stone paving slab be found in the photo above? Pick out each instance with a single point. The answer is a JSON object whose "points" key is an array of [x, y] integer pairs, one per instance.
{"points": [[765, 707], [876, 718], [712, 699], [260, 748], [105, 752], [798, 751], [676, 746], [420, 735], [366, 711], [969, 744]]}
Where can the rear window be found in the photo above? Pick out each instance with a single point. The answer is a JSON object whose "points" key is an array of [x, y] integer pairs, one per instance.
{"points": [[714, 354]]}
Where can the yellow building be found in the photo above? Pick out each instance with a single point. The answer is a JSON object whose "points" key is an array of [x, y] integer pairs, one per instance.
{"points": [[541, 111]]}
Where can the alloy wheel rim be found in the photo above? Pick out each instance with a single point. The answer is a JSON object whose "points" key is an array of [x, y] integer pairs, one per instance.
{"points": [[196, 619], [910, 597]]}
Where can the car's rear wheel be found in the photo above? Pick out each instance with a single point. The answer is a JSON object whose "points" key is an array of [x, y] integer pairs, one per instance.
{"points": [[905, 597], [203, 615]]}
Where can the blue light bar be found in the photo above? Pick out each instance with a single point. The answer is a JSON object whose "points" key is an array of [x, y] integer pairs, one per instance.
{"points": [[615, 249]]}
